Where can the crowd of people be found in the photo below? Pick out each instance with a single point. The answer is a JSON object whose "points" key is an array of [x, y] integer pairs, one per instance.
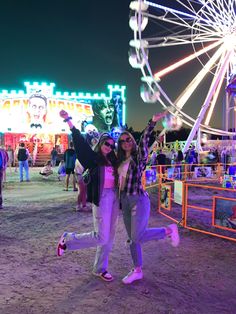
{"points": [[170, 157]]}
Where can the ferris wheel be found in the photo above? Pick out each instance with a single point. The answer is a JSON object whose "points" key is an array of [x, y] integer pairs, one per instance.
{"points": [[199, 39]]}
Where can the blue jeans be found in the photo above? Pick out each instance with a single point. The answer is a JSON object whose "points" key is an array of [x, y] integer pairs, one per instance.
{"points": [[24, 165], [53, 162], [136, 211], [104, 219], [1, 180]]}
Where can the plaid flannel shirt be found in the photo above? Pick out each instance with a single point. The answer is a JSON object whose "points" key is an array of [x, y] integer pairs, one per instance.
{"points": [[133, 182]]}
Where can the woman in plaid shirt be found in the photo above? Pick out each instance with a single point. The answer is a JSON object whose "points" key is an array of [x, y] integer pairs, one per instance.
{"points": [[135, 202]]}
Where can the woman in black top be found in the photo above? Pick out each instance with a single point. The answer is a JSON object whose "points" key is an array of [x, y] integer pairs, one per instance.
{"points": [[102, 193]]}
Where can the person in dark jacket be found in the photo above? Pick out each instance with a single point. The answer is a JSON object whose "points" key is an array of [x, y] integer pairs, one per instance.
{"points": [[102, 193], [161, 162], [54, 155], [3, 166], [23, 155], [70, 158]]}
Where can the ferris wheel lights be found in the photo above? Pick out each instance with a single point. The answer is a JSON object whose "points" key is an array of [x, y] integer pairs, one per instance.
{"points": [[204, 138], [136, 43], [149, 80], [149, 94], [171, 122], [136, 6], [136, 59], [135, 63], [184, 60], [133, 23], [230, 41]]}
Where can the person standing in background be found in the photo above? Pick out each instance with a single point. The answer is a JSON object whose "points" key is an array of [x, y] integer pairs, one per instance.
{"points": [[23, 155], [3, 166], [70, 158], [82, 188], [15, 157], [54, 155], [10, 154], [61, 171]]}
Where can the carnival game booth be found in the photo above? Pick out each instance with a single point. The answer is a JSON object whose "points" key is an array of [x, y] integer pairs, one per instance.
{"points": [[32, 116]]}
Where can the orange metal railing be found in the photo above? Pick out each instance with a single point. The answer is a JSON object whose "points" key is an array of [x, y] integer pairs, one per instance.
{"points": [[182, 212]]}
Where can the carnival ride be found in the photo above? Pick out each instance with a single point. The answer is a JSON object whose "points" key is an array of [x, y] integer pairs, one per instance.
{"points": [[205, 30]]}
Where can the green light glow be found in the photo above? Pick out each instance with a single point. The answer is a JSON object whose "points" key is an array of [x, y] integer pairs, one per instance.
{"points": [[48, 90]]}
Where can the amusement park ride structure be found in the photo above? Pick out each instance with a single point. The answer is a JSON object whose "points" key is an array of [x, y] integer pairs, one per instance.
{"points": [[207, 27]]}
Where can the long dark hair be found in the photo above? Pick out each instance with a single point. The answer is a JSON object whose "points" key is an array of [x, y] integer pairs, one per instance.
{"points": [[111, 158], [121, 153]]}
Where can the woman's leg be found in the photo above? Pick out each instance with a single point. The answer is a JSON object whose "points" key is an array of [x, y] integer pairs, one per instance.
{"points": [[136, 222], [82, 193], [67, 182], [129, 206], [74, 182], [21, 170], [108, 213], [77, 241], [26, 167], [98, 237], [1, 183]]}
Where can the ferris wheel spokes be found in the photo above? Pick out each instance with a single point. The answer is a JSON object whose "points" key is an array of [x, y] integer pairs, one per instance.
{"points": [[217, 92], [189, 90], [185, 60], [207, 26], [209, 96]]}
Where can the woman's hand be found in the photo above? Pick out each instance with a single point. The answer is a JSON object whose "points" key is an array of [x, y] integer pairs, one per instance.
{"points": [[158, 116], [63, 114]]}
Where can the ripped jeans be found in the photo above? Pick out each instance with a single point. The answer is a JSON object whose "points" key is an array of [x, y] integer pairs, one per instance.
{"points": [[105, 220], [136, 211]]}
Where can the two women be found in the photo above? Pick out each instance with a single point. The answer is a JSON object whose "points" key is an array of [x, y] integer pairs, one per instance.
{"points": [[102, 193], [132, 161]]}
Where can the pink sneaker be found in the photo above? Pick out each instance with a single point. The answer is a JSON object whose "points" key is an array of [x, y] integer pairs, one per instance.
{"points": [[61, 247], [174, 235], [133, 275]]}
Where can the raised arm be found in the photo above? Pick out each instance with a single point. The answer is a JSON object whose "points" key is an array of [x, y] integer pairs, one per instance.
{"points": [[84, 153], [143, 143]]}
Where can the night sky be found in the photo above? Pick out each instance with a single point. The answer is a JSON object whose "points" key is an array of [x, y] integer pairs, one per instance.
{"points": [[78, 45]]}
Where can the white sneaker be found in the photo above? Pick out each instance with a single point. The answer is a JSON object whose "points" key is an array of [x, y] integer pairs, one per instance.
{"points": [[78, 208], [174, 236], [133, 275]]}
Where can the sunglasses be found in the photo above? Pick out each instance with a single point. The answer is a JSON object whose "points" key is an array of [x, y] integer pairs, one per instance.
{"points": [[127, 140], [109, 145]]}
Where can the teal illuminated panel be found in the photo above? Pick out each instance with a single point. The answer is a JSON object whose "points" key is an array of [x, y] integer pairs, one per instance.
{"points": [[15, 107]]}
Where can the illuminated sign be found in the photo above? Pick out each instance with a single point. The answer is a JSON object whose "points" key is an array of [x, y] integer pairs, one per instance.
{"points": [[37, 109]]}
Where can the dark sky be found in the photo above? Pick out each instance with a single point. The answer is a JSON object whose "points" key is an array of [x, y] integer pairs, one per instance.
{"points": [[78, 45]]}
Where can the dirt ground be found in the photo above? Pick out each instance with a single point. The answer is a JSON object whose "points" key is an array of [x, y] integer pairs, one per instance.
{"points": [[197, 277]]}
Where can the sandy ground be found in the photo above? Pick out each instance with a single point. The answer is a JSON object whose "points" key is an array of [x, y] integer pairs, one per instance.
{"points": [[197, 277]]}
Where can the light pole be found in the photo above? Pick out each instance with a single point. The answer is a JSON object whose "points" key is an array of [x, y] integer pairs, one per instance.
{"points": [[228, 110], [230, 99]]}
